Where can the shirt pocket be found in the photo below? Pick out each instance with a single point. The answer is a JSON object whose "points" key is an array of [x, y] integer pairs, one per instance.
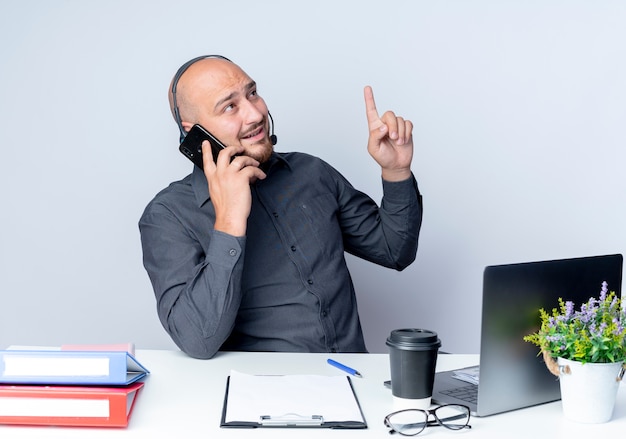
{"points": [[321, 226]]}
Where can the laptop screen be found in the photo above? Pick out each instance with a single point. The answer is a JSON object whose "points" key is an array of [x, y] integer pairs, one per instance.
{"points": [[512, 375]]}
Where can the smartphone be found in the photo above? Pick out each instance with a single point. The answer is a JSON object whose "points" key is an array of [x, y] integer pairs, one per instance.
{"points": [[191, 146]]}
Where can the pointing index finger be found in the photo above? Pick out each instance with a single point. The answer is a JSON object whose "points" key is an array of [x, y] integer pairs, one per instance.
{"points": [[370, 106]]}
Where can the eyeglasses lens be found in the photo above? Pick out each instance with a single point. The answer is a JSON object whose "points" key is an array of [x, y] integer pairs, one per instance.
{"points": [[409, 422], [454, 417]]}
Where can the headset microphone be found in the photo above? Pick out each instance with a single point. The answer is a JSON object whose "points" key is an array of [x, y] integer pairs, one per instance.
{"points": [[273, 137]]}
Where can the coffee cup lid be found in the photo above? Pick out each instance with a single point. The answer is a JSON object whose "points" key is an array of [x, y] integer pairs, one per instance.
{"points": [[413, 339]]}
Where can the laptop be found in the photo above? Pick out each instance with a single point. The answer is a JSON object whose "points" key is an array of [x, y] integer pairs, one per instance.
{"points": [[511, 374]]}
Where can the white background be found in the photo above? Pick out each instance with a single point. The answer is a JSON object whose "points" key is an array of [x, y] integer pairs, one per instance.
{"points": [[520, 128]]}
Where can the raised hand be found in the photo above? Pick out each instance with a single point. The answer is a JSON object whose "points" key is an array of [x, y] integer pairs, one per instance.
{"points": [[390, 140]]}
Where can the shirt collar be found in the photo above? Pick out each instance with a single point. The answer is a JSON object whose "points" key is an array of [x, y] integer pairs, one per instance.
{"points": [[201, 187]]}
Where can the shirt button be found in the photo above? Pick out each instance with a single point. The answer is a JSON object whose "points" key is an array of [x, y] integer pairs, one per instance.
{"points": [[310, 281], [333, 350], [293, 248], [232, 252]]}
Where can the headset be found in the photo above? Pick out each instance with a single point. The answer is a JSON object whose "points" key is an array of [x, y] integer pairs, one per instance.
{"points": [[177, 76]]}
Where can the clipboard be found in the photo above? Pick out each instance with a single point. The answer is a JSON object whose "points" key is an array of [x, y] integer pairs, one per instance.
{"points": [[291, 401]]}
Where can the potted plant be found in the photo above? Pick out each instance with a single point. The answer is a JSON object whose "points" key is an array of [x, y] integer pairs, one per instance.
{"points": [[586, 349]]}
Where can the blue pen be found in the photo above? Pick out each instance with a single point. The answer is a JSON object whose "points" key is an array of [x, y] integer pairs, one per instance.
{"points": [[344, 368]]}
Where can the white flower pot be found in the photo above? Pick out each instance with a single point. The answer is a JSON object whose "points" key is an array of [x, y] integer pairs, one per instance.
{"points": [[589, 390]]}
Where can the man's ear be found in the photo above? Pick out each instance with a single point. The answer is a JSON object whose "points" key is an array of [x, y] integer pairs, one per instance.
{"points": [[186, 126]]}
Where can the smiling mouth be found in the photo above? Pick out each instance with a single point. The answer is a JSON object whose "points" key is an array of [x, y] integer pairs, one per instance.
{"points": [[254, 133]]}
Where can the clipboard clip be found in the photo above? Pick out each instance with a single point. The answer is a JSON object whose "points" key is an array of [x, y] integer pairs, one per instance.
{"points": [[291, 420]]}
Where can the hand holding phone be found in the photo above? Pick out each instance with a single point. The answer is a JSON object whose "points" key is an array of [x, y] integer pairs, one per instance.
{"points": [[191, 146]]}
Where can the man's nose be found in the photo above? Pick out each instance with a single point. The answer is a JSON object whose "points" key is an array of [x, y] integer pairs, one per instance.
{"points": [[253, 114]]}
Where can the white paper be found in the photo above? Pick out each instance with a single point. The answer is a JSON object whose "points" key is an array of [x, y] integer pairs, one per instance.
{"points": [[253, 396]]}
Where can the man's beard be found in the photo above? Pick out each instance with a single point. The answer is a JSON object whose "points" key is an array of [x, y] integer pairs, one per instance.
{"points": [[263, 155], [262, 150]]}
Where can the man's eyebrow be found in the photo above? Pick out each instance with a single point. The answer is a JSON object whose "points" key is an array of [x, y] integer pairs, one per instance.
{"points": [[249, 86]]}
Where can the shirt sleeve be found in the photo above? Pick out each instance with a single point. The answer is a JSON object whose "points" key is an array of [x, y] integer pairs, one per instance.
{"points": [[387, 235], [197, 285]]}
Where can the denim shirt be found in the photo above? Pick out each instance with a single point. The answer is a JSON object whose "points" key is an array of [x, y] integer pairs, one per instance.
{"points": [[285, 286]]}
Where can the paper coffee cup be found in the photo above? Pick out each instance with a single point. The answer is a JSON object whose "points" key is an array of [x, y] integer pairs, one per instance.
{"points": [[412, 360]]}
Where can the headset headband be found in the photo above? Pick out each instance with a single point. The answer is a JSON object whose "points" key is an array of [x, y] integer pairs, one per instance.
{"points": [[177, 76]]}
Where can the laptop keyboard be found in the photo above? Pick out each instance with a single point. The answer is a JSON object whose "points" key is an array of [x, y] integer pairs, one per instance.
{"points": [[467, 393]]}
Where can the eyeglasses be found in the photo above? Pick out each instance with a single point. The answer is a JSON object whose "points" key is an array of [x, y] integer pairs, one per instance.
{"points": [[413, 421]]}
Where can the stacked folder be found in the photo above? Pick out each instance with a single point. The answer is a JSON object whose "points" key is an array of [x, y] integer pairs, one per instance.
{"points": [[72, 386]]}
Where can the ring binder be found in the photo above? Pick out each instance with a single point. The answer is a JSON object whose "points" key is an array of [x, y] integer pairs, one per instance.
{"points": [[291, 420]]}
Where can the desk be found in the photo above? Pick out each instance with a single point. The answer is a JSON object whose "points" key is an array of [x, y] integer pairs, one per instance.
{"points": [[183, 398]]}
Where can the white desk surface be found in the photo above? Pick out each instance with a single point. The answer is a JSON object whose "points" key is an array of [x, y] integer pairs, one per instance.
{"points": [[183, 398]]}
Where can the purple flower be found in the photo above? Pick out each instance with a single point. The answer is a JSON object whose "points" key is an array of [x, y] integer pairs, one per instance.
{"points": [[604, 291], [595, 331], [585, 315], [569, 309]]}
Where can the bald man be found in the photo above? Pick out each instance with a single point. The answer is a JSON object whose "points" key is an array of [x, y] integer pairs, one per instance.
{"points": [[247, 253]]}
